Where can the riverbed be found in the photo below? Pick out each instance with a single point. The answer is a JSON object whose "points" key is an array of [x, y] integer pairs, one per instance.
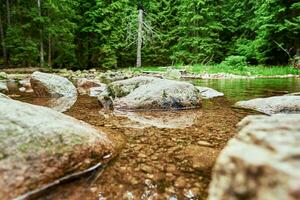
{"points": [[165, 155]]}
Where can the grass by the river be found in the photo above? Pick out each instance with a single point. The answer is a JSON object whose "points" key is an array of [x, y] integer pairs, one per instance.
{"points": [[240, 70]]}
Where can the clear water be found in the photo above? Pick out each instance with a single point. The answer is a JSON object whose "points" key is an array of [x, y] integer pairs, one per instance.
{"points": [[165, 161], [245, 89]]}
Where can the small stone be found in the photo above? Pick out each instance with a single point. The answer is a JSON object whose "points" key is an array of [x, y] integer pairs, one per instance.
{"points": [[204, 143], [146, 168], [171, 168], [180, 182], [22, 89], [93, 189]]}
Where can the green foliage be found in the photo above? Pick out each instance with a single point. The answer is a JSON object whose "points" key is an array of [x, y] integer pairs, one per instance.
{"points": [[83, 34], [221, 68], [235, 61]]}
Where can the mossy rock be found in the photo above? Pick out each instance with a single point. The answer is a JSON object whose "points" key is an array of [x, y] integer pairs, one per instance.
{"points": [[39, 145]]}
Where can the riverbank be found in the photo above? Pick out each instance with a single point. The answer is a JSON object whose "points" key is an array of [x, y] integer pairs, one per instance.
{"points": [[176, 72], [200, 71]]}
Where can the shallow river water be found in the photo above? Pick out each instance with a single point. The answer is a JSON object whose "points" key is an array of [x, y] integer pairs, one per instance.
{"points": [[165, 155]]}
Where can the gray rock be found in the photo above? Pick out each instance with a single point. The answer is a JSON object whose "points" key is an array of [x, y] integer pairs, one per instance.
{"points": [[262, 162], [153, 93], [50, 85], [208, 93], [3, 87], [39, 145], [272, 105], [56, 87]]}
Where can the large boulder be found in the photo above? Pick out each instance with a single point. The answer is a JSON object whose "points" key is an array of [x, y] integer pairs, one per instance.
{"points": [[272, 105], [209, 93], [54, 87], [39, 146], [262, 162], [153, 93]]}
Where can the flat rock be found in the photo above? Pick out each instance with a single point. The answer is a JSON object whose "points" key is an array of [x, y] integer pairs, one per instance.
{"points": [[208, 93], [57, 88], [39, 145], [141, 93], [272, 105], [262, 162]]}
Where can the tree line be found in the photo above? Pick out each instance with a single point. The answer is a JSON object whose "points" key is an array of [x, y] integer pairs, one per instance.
{"points": [[83, 34]]}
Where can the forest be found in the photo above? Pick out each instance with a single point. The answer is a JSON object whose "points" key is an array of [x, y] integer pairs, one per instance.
{"points": [[82, 34]]}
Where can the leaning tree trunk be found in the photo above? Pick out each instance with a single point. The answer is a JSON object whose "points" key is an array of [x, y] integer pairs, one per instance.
{"points": [[41, 37], [140, 39], [3, 42]]}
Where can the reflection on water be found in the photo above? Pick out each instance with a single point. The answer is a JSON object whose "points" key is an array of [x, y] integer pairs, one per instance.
{"points": [[159, 119], [245, 89]]}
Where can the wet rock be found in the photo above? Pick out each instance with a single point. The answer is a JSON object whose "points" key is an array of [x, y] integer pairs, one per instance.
{"points": [[57, 88], [3, 87], [262, 162], [26, 86], [3, 76], [208, 93], [153, 93], [272, 105], [84, 85], [39, 145]]}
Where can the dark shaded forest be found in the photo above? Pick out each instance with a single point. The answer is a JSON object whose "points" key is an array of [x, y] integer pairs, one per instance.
{"points": [[82, 34]]}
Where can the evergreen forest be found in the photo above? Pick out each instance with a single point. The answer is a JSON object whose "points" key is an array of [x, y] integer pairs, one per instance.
{"points": [[83, 34]]}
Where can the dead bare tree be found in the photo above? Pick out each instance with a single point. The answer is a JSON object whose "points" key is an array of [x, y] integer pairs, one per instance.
{"points": [[139, 32]]}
